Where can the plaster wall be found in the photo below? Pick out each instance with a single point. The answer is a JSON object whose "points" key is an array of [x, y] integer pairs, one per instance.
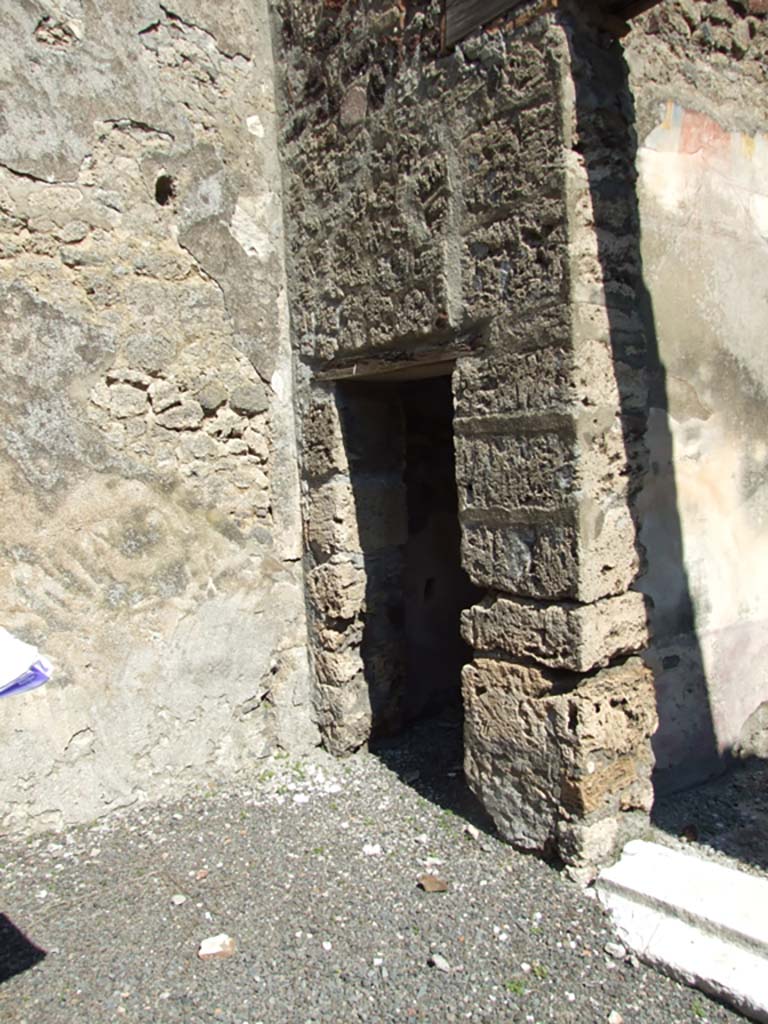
{"points": [[150, 536], [699, 81]]}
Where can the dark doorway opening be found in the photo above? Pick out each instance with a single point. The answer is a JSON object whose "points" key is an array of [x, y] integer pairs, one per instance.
{"points": [[435, 586], [398, 437]]}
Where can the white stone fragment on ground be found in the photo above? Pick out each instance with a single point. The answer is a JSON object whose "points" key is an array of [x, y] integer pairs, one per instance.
{"points": [[327, 946], [301, 798], [439, 962], [177, 899], [217, 947], [694, 919], [615, 949], [471, 831], [372, 849], [614, 1017]]}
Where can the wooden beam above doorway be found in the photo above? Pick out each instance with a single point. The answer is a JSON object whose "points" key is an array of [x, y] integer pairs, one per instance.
{"points": [[396, 366]]}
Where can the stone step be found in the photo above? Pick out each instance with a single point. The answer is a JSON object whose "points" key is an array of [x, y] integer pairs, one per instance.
{"points": [[694, 919]]}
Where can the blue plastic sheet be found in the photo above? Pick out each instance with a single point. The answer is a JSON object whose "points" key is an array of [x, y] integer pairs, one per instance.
{"points": [[37, 674], [22, 667]]}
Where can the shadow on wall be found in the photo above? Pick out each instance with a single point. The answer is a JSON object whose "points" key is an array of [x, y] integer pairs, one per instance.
{"points": [[685, 744], [17, 953]]}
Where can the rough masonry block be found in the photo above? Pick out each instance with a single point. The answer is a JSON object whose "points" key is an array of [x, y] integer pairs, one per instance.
{"points": [[530, 559], [525, 469], [570, 636], [545, 760]]}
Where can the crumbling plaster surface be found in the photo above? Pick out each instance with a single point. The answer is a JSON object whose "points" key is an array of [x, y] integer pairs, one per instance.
{"points": [[150, 531], [699, 76]]}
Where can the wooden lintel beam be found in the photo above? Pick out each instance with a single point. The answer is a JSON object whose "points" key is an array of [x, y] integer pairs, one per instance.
{"points": [[426, 363]]}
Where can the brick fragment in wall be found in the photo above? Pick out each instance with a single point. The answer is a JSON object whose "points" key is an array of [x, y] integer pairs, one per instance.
{"points": [[577, 637], [544, 751]]}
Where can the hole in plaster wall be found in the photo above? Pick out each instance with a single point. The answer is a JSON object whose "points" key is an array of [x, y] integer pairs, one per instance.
{"points": [[165, 189]]}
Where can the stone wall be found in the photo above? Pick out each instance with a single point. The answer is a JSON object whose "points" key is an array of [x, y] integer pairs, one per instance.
{"points": [[435, 205], [150, 533], [698, 74]]}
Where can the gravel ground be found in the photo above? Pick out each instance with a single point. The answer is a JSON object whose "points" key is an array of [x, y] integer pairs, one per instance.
{"points": [[311, 867], [726, 820]]}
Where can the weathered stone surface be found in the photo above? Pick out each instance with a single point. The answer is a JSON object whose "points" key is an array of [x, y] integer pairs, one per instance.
{"points": [[532, 559], [249, 399], [125, 400], [365, 517], [531, 467], [338, 589], [187, 415], [543, 757], [571, 636], [212, 396], [753, 741]]}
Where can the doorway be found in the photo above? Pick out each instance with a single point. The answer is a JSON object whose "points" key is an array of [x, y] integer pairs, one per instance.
{"points": [[396, 656]]}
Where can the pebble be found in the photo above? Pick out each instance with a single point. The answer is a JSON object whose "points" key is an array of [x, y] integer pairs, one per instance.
{"points": [[614, 1017], [177, 899], [372, 849], [615, 949], [217, 947], [439, 962]]}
